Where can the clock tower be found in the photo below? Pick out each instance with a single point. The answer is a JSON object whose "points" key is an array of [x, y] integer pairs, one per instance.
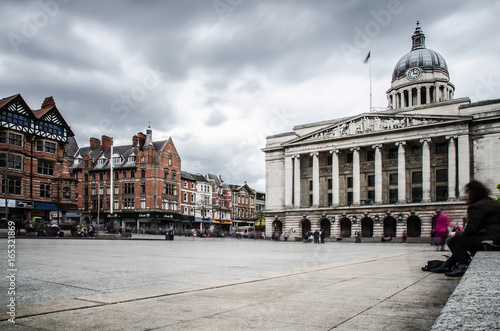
{"points": [[420, 77]]}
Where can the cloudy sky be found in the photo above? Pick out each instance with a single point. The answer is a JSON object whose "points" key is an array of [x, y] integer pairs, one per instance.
{"points": [[219, 76]]}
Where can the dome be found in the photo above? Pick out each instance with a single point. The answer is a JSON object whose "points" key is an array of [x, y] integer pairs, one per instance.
{"points": [[420, 56]]}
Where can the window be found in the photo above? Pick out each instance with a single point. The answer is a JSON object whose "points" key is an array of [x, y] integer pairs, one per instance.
{"points": [[143, 173], [16, 118], [143, 188], [128, 188], [330, 184], [349, 182], [66, 193], [170, 161], [350, 199], [101, 190], [101, 161], [441, 148], [51, 128], [101, 176], [416, 194], [117, 189], [185, 184], [116, 205], [393, 196], [13, 186], [174, 175], [117, 160], [442, 175], [441, 193], [371, 180], [310, 185], [393, 179], [192, 186], [132, 174], [128, 203], [370, 155], [15, 139], [330, 199], [170, 189], [349, 158], [393, 153], [45, 146], [143, 203], [192, 198], [329, 161], [15, 161], [117, 175], [310, 200], [45, 190], [371, 197], [131, 159], [185, 196], [416, 177], [416, 150]]}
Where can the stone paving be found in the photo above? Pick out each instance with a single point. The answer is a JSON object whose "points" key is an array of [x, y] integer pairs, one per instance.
{"points": [[218, 284]]}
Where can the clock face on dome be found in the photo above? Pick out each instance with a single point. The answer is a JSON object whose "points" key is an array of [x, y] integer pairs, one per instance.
{"points": [[413, 73]]}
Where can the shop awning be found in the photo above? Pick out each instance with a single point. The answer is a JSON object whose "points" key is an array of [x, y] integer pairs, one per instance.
{"points": [[223, 222], [206, 220]]}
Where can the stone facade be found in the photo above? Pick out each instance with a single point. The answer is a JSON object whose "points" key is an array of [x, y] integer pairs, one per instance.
{"points": [[387, 172]]}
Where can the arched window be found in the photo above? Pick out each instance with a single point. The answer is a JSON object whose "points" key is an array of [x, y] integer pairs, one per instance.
{"points": [[66, 193]]}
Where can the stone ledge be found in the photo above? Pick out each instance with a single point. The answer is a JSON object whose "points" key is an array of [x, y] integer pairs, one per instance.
{"points": [[475, 303]]}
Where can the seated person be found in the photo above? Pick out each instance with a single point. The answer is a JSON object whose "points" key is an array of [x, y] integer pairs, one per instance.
{"points": [[483, 224]]}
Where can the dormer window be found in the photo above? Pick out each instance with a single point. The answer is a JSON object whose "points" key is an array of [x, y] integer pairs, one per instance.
{"points": [[131, 158], [117, 160], [101, 161]]}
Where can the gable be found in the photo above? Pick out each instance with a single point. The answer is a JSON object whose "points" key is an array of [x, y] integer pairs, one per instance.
{"points": [[52, 125], [16, 115], [374, 124]]}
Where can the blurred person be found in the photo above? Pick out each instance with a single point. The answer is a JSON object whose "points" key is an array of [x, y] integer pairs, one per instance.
{"points": [[442, 224], [483, 224]]}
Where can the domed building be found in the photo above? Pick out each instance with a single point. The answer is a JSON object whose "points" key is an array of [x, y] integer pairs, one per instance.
{"points": [[387, 172], [420, 77]]}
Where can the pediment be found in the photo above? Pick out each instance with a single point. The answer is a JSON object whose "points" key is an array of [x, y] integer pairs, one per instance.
{"points": [[370, 123]]}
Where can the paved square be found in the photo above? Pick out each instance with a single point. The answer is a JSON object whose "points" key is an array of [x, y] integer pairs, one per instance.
{"points": [[214, 284]]}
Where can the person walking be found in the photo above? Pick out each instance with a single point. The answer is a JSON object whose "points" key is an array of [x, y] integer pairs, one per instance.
{"points": [[442, 224], [405, 236], [483, 223]]}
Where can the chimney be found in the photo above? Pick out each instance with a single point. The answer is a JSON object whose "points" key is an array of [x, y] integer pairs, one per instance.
{"points": [[94, 142], [48, 102], [142, 139], [106, 143], [135, 140]]}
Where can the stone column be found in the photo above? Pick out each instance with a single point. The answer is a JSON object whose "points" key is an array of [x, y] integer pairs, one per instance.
{"points": [[335, 178], [401, 172], [419, 98], [402, 99], [426, 170], [452, 168], [288, 181], [410, 97], [463, 163], [296, 181], [355, 176], [427, 94], [315, 175], [378, 173]]}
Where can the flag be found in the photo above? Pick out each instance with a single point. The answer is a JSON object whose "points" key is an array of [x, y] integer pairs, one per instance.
{"points": [[367, 57]]}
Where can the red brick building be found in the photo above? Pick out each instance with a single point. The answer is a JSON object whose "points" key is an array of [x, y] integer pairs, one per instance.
{"points": [[145, 193], [35, 176]]}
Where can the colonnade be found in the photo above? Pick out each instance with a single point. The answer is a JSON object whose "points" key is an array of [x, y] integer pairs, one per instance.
{"points": [[433, 93], [458, 168]]}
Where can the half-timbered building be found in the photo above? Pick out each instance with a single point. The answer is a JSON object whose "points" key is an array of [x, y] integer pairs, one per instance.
{"points": [[35, 175]]}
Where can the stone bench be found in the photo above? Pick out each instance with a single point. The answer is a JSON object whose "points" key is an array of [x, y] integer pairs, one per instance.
{"points": [[475, 303]]}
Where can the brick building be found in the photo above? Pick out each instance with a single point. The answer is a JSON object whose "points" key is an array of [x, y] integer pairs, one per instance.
{"points": [[35, 175], [145, 187]]}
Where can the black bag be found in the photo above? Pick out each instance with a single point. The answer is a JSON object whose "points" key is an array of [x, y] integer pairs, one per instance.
{"points": [[432, 264]]}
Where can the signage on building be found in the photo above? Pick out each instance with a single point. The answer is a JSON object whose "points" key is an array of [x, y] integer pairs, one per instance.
{"points": [[10, 203], [25, 204]]}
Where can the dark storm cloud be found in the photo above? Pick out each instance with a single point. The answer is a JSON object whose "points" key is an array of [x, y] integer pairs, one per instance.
{"points": [[215, 73]]}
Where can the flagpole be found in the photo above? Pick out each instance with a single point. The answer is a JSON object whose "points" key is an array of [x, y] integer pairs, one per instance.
{"points": [[371, 108]]}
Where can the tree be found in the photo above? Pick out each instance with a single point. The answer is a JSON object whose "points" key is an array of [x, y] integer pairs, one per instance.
{"points": [[497, 198]]}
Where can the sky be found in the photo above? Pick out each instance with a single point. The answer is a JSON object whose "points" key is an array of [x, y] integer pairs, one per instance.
{"points": [[220, 76]]}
